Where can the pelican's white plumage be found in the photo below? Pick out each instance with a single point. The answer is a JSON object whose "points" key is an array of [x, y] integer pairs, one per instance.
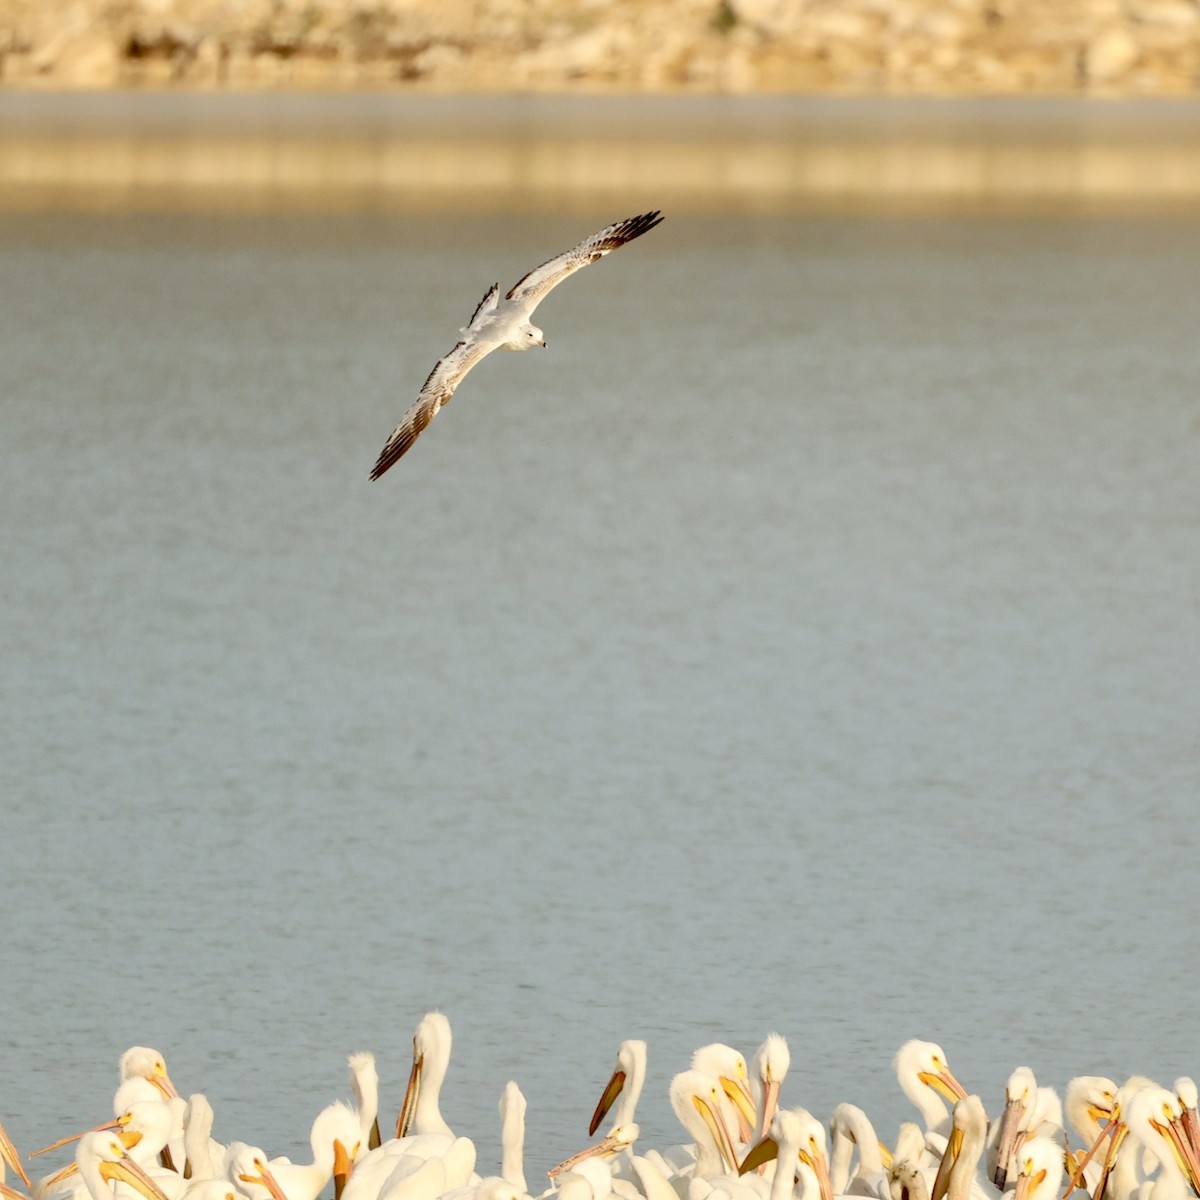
{"points": [[512, 1136], [364, 1079], [503, 324], [850, 1127], [203, 1158], [768, 1070], [956, 1178]]}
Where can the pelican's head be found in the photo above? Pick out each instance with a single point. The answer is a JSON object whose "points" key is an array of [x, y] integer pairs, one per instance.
{"points": [[696, 1098], [1089, 1102], [142, 1062], [729, 1066], [794, 1132], [771, 1063], [1039, 1169], [99, 1150], [925, 1062]]}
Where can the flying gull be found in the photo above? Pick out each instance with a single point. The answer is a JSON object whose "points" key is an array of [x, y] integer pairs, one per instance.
{"points": [[503, 325]]}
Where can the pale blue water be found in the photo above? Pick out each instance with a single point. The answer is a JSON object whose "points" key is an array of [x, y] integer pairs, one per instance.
{"points": [[807, 640]]}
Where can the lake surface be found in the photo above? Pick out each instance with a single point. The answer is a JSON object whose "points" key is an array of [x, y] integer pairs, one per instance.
{"points": [[806, 641]]}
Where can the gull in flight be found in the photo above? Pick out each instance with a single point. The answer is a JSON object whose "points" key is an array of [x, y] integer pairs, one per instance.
{"points": [[503, 325]]}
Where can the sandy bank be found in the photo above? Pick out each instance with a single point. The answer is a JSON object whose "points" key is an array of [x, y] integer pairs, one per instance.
{"points": [[1109, 47]]}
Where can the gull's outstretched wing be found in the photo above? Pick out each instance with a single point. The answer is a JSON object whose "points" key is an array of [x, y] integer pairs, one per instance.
{"points": [[438, 389], [528, 292]]}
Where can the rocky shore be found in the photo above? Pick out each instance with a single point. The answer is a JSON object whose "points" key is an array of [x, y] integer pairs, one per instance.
{"points": [[892, 47]]}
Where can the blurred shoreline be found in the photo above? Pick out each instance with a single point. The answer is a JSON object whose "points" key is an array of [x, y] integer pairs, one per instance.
{"points": [[240, 150], [700, 47]]}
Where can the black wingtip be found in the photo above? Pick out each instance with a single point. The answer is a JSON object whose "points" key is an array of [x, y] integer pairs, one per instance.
{"points": [[389, 458], [636, 226]]}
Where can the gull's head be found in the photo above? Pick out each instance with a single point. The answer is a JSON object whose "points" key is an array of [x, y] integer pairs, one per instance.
{"points": [[532, 336]]}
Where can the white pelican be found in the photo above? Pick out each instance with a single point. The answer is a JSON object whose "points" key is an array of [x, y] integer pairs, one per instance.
{"points": [[203, 1158], [12, 1160], [1155, 1117], [334, 1137], [101, 1162], [247, 1170], [364, 1080], [1089, 1101], [512, 1139], [1039, 1164], [1125, 1167], [956, 1178], [925, 1078], [421, 1131], [768, 1069], [1029, 1111], [797, 1140], [420, 1112], [696, 1099], [503, 325], [849, 1127], [728, 1066], [627, 1081], [143, 1130]]}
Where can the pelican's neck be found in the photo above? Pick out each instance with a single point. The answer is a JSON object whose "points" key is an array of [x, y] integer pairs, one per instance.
{"points": [[851, 1127], [928, 1103], [89, 1172], [435, 1061], [1170, 1180], [841, 1152], [631, 1058], [807, 1186], [197, 1135], [973, 1123], [934, 1113], [512, 1137], [782, 1186], [364, 1079]]}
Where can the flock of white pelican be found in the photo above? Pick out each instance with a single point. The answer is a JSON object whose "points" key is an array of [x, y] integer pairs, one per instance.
{"points": [[1136, 1141]]}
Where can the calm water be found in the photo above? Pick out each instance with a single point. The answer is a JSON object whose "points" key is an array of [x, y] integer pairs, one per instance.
{"points": [[808, 640]]}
